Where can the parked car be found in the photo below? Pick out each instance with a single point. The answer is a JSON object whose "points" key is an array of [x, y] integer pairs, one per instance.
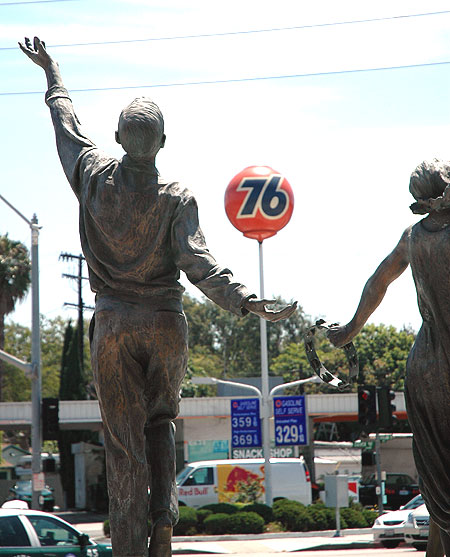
{"points": [[388, 527], [27, 533], [417, 527], [22, 491], [399, 489]]}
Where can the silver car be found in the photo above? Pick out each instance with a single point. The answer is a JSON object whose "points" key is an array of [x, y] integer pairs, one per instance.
{"points": [[416, 528], [388, 527]]}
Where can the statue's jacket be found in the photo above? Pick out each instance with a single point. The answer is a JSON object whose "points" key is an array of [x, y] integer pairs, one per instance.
{"points": [[137, 230]]}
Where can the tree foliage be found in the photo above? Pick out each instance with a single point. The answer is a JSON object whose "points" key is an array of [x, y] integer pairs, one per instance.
{"points": [[17, 387], [234, 340], [15, 278], [72, 386], [382, 353], [224, 345]]}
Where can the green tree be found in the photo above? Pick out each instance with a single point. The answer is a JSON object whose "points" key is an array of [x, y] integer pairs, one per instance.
{"points": [[225, 345], [72, 387], [382, 353], [17, 387], [15, 271]]}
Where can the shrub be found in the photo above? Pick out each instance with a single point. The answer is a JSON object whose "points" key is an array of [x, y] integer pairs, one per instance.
{"points": [[187, 522], [322, 518], [292, 515], [227, 508], [263, 510], [216, 523], [245, 523], [201, 516], [370, 515], [249, 491], [281, 503], [353, 518]]}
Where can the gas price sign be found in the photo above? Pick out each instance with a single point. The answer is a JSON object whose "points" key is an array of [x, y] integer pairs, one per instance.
{"points": [[245, 423], [290, 420]]}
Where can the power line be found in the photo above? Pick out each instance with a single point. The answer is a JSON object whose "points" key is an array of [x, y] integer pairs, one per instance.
{"points": [[16, 3], [237, 80], [230, 33]]}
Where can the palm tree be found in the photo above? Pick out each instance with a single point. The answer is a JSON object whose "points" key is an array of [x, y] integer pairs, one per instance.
{"points": [[15, 271]]}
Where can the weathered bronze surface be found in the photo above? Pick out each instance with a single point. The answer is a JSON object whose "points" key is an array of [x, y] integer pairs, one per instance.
{"points": [[426, 247], [314, 361], [137, 232]]}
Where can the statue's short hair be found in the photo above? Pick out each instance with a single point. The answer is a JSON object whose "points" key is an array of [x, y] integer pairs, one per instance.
{"points": [[141, 128], [429, 179]]}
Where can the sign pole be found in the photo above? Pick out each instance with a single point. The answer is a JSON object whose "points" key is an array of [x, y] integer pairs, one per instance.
{"points": [[379, 480], [36, 430], [259, 202], [266, 411]]}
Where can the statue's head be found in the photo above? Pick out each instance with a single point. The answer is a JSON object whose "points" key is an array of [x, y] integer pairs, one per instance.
{"points": [[428, 182], [141, 129]]}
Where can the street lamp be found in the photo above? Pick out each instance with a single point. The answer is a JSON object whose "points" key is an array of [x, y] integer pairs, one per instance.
{"points": [[265, 400], [35, 368]]}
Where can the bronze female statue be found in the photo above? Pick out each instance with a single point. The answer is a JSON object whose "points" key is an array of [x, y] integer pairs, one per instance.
{"points": [[426, 247]]}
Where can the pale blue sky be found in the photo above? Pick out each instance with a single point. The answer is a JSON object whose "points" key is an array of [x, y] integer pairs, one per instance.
{"points": [[346, 142]]}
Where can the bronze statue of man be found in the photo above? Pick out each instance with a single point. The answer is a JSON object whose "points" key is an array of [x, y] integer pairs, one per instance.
{"points": [[426, 247], [137, 232]]}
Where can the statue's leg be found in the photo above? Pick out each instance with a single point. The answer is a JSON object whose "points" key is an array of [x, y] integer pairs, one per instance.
{"points": [[119, 379], [445, 538], [165, 373], [434, 545], [163, 493]]}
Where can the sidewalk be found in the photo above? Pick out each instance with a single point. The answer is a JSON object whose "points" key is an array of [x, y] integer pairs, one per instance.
{"points": [[273, 543]]}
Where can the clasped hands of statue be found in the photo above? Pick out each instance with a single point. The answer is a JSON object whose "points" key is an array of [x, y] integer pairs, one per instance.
{"points": [[259, 307]]}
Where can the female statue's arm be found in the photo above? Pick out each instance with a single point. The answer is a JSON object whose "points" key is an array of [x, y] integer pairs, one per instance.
{"points": [[374, 290]]}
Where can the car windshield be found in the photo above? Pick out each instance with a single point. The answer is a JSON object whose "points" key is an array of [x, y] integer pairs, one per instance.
{"points": [[53, 532], [185, 472], [414, 503], [23, 485]]}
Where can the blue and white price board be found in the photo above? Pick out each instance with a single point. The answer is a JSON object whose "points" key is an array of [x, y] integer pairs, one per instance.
{"points": [[290, 420], [245, 423]]}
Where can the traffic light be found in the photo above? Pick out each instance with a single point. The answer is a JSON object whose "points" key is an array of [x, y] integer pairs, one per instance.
{"points": [[50, 419], [386, 409], [367, 405]]}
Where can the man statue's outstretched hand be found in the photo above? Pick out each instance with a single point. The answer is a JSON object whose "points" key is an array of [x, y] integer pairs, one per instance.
{"points": [[340, 335], [36, 52], [259, 307]]}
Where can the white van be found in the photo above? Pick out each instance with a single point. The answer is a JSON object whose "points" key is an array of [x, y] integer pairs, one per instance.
{"points": [[218, 481]]}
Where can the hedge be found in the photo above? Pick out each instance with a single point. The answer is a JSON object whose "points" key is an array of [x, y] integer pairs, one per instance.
{"points": [[228, 518], [227, 508], [292, 515], [187, 522], [235, 523], [216, 523], [245, 523], [263, 510], [370, 515], [323, 518], [202, 514]]}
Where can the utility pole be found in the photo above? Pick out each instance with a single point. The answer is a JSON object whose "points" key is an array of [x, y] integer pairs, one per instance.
{"points": [[35, 369], [80, 305]]}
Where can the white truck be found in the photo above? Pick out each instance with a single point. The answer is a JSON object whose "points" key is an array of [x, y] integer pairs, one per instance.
{"points": [[218, 481]]}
